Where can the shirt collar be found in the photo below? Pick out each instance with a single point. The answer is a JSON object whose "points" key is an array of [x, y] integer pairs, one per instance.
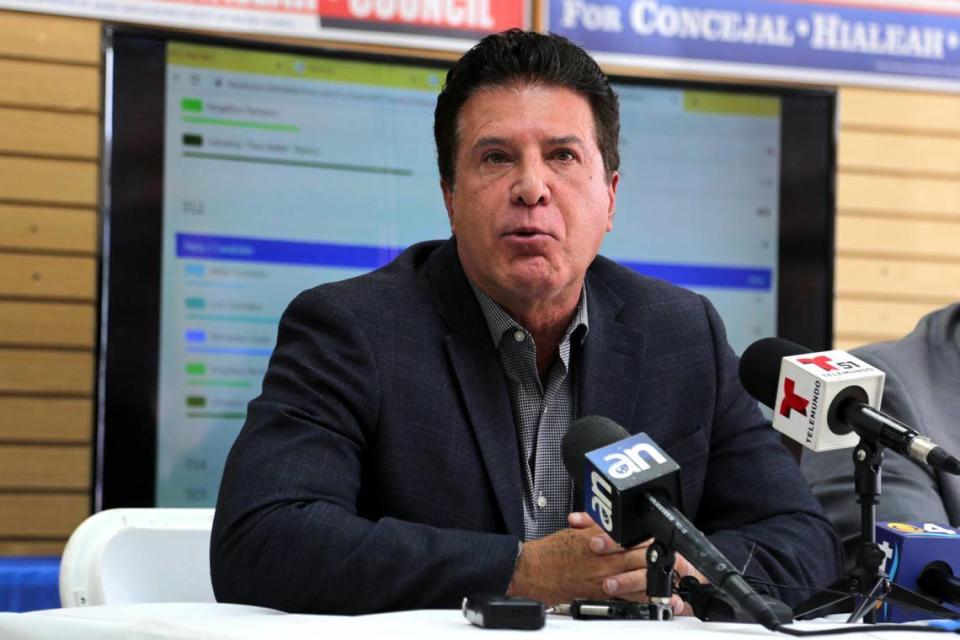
{"points": [[499, 322]]}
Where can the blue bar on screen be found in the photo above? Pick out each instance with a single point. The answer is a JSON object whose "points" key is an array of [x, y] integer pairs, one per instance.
{"points": [[195, 336], [283, 251], [691, 275], [370, 257]]}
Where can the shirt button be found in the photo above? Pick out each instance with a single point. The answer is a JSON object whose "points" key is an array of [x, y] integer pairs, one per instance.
{"points": [[542, 501], [519, 335]]}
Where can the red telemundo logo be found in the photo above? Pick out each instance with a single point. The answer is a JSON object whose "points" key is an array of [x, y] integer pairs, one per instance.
{"points": [[792, 401], [821, 361]]}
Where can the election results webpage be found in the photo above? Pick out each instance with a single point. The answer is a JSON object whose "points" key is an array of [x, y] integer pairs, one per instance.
{"points": [[284, 171]]}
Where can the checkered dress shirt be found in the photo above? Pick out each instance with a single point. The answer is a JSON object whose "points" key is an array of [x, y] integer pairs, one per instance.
{"points": [[542, 413]]}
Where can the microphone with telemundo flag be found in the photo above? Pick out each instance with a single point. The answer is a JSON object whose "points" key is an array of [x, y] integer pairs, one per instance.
{"points": [[829, 400], [630, 486]]}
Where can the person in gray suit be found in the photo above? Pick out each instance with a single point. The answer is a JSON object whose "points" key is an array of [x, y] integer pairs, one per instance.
{"points": [[922, 389], [405, 449]]}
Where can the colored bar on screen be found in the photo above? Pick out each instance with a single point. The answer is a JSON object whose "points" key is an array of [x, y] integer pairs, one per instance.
{"points": [[687, 275], [283, 251]]}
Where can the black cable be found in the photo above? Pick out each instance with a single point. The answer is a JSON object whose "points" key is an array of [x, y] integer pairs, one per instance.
{"points": [[861, 628], [759, 581], [766, 583], [858, 628], [755, 582]]}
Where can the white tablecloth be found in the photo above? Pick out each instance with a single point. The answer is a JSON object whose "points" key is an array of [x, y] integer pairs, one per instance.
{"points": [[182, 621]]}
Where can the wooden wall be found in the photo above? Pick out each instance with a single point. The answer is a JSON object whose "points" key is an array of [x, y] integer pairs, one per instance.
{"points": [[49, 150], [898, 202], [898, 252]]}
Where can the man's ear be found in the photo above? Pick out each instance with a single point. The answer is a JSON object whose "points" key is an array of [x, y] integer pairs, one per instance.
{"points": [[447, 190], [612, 194]]}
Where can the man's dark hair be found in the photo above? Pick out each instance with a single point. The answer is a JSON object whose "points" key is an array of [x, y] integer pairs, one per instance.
{"points": [[525, 57]]}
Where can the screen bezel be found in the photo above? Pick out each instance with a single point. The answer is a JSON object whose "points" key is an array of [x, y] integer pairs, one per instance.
{"points": [[124, 466]]}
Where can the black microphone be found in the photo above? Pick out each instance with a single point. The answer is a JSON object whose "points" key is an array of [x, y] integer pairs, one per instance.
{"points": [[629, 484], [818, 399], [938, 582]]}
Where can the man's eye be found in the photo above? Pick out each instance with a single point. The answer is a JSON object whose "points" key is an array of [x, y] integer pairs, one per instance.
{"points": [[565, 155], [495, 157]]}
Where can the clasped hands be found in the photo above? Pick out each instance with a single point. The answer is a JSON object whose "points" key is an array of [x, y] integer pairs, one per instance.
{"points": [[584, 562]]}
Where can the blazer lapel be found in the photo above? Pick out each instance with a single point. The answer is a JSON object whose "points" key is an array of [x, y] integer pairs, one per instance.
{"points": [[612, 380], [479, 377], [612, 359]]}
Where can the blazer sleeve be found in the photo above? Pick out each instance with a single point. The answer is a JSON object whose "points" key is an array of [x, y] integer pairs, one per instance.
{"points": [[287, 533], [756, 507]]}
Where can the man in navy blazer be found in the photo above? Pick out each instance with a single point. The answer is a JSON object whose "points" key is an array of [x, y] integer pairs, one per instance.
{"points": [[403, 451]]}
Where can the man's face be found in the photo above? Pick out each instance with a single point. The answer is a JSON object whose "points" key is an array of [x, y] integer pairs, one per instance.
{"points": [[531, 204]]}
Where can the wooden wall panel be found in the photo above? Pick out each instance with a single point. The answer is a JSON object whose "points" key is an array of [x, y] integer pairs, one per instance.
{"points": [[46, 229], [27, 547], [54, 87], [59, 182], [879, 319], [46, 324], [52, 38], [65, 135], [48, 372], [46, 419], [897, 280], [906, 154], [899, 196], [49, 176], [899, 110], [41, 276], [42, 515], [897, 238], [898, 199], [29, 467]]}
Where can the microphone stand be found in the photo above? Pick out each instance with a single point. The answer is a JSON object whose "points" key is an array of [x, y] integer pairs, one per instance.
{"points": [[660, 562], [867, 586]]}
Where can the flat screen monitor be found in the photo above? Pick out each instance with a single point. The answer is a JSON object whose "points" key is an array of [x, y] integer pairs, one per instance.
{"points": [[238, 174]]}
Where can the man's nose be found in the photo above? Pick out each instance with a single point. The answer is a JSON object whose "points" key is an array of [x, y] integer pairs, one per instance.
{"points": [[530, 188]]}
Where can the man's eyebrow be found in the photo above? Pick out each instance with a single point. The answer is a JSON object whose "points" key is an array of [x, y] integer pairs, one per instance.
{"points": [[571, 139], [494, 141], [489, 141]]}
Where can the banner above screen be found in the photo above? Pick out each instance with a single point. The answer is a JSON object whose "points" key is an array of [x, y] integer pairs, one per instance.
{"points": [[432, 24], [913, 44]]}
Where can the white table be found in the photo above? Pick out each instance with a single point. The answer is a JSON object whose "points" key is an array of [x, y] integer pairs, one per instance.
{"points": [[190, 621]]}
